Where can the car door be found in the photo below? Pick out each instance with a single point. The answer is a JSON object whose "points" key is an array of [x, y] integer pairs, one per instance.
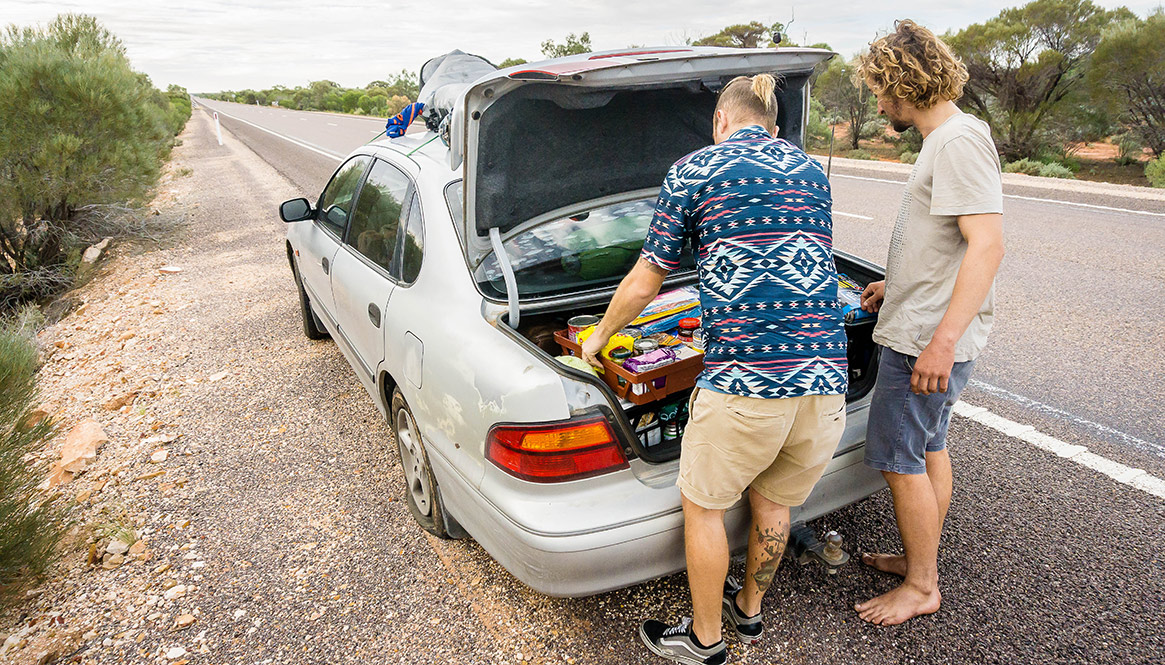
{"points": [[321, 239], [367, 268]]}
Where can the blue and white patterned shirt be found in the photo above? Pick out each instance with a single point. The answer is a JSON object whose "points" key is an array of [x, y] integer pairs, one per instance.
{"points": [[758, 212]]}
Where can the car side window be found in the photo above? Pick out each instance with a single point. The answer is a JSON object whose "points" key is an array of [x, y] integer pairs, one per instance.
{"points": [[414, 242], [335, 203], [376, 220]]}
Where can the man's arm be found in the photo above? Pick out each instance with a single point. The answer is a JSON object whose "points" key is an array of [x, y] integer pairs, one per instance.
{"points": [[984, 235], [635, 292]]}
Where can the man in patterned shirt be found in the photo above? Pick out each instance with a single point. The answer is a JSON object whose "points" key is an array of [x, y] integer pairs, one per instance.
{"points": [[769, 407]]}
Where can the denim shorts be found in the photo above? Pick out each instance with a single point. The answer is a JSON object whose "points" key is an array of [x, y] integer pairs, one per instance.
{"points": [[903, 426]]}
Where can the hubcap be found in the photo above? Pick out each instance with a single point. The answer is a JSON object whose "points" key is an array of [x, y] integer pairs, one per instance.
{"points": [[413, 461]]}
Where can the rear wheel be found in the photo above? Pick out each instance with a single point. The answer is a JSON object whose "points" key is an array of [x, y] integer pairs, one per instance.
{"points": [[421, 490], [313, 328]]}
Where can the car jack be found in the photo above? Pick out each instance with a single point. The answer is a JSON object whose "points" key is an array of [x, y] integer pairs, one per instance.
{"points": [[806, 548]]}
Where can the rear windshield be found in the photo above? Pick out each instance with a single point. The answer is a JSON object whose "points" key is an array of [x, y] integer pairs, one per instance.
{"points": [[589, 250]]}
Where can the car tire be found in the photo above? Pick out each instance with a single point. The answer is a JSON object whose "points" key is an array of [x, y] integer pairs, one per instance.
{"points": [[421, 490], [313, 328]]}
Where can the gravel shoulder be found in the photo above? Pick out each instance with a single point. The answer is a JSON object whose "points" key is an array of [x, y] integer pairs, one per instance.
{"points": [[279, 509]]}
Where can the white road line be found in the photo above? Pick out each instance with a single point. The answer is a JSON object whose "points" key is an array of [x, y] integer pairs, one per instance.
{"points": [[1034, 405], [850, 214], [332, 124], [1085, 205], [1125, 475], [301, 144], [1025, 198]]}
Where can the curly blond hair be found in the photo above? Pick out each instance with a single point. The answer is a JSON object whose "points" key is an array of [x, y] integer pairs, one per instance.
{"points": [[914, 65]]}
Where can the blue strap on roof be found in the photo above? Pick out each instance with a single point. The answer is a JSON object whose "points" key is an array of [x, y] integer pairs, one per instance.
{"points": [[399, 123]]}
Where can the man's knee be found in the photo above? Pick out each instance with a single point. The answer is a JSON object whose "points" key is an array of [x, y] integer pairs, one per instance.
{"points": [[764, 505]]}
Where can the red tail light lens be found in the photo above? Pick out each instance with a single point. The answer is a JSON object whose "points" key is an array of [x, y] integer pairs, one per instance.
{"points": [[558, 451]]}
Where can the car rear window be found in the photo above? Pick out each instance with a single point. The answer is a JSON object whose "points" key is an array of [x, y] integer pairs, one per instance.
{"points": [[589, 250]]}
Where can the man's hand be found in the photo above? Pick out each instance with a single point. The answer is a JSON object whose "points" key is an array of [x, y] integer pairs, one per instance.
{"points": [[873, 296], [932, 370], [593, 345]]}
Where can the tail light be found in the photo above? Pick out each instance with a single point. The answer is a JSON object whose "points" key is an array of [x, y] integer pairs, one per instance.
{"points": [[557, 451]]}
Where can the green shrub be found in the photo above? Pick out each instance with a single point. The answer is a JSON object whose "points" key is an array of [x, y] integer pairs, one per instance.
{"points": [[80, 128], [908, 157], [1025, 165], [1155, 172], [859, 154], [31, 524], [1055, 170]]}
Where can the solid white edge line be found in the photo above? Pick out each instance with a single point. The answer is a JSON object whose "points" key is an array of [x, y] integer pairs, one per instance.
{"points": [[1085, 205], [285, 138], [1024, 198], [855, 215], [1125, 475]]}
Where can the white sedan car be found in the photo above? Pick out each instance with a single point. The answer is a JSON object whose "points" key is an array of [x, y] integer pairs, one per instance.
{"points": [[442, 269]]}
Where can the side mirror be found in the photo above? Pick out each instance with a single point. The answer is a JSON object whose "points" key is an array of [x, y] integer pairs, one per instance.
{"points": [[295, 210]]}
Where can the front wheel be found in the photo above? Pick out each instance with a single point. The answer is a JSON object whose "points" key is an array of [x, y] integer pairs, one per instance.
{"points": [[313, 328], [421, 490]]}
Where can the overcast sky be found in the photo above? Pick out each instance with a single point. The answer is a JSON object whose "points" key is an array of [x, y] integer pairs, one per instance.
{"points": [[211, 45]]}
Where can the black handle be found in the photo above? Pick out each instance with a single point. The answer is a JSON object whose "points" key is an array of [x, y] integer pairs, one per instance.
{"points": [[326, 265], [374, 314]]}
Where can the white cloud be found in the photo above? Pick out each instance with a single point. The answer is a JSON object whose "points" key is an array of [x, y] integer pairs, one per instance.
{"points": [[209, 45]]}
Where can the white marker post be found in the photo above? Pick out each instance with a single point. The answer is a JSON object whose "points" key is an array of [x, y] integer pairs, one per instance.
{"points": [[217, 128]]}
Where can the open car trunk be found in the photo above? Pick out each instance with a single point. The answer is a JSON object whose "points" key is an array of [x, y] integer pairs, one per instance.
{"points": [[535, 142], [644, 419]]}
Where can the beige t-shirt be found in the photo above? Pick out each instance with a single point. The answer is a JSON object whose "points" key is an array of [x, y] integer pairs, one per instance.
{"points": [[957, 173]]}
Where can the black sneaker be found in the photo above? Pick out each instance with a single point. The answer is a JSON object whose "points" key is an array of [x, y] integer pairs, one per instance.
{"points": [[678, 643], [748, 629]]}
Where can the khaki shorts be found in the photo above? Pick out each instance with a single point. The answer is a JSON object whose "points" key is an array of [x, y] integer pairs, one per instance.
{"points": [[778, 447]]}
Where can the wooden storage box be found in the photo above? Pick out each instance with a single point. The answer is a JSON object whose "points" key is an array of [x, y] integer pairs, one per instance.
{"points": [[641, 388]]}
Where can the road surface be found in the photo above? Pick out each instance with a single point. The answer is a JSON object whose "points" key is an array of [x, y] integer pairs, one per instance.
{"points": [[1077, 349]]}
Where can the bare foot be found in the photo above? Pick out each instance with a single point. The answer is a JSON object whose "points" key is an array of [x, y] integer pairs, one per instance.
{"points": [[899, 605], [895, 564]]}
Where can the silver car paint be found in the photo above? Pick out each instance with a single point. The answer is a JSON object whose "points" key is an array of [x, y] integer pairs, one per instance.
{"points": [[573, 538]]}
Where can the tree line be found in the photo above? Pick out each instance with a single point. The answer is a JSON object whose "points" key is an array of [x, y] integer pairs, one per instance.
{"points": [[1047, 77]]}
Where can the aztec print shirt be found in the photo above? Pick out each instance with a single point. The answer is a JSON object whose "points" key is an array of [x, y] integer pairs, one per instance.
{"points": [[758, 213]]}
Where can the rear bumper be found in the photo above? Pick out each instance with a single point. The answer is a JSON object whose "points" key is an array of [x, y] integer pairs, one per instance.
{"points": [[582, 564]]}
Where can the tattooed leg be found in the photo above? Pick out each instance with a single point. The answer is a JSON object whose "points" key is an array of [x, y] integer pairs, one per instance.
{"points": [[766, 545]]}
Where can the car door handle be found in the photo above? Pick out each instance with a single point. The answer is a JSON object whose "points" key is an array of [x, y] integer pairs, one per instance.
{"points": [[374, 314], [326, 265]]}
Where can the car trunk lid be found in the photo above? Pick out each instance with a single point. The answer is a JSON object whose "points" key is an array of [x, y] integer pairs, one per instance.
{"points": [[535, 142]]}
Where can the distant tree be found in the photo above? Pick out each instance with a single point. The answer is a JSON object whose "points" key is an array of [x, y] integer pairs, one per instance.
{"points": [[1024, 63], [572, 45], [511, 62], [405, 84], [318, 92], [1128, 76], [350, 100], [744, 35], [845, 97]]}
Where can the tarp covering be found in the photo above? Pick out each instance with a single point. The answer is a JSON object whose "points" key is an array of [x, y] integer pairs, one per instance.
{"points": [[444, 78]]}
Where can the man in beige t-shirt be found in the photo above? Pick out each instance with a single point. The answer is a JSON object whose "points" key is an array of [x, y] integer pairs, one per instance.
{"points": [[936, 305]]}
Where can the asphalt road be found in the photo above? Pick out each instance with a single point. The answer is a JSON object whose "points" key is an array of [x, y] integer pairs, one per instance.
{"points": [[1077, 345], [300, 549]]}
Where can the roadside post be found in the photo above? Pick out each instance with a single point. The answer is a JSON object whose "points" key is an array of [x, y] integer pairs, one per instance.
{"points": [[217, 128]]}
